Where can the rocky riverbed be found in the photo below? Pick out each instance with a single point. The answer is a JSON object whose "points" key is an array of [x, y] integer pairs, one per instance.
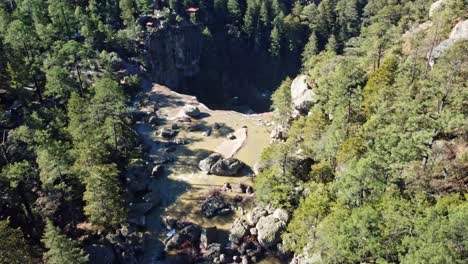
{"points": [[178, 133]]}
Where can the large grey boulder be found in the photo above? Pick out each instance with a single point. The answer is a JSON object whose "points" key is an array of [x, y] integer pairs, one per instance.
{"points": [[281, 214], [206, 164], [226, 167], [255, 215], [269, 230], [301, 94], [238, 230], [212, 252], [459, 33], [215, 205], [279, 133]]}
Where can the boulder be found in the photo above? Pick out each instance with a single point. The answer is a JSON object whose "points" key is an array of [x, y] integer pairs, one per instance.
{"points": [[167, 133], [436, 7], [227, 187], [191, 233], [269, 230], [180, 141], [281, 214], [238, 230], [215, 205], [279, 133], [207, 133], [253, 231], [191, 111], [183, 119], [459, 33], [157, 171], [216, 126], [239, 188], [301, 94], [226, 167], [174, 241], [206, 164], [255, 215], [212, 252]]}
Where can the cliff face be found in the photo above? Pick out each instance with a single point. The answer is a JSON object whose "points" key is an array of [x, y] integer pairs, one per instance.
{"points": [[174, 53]]}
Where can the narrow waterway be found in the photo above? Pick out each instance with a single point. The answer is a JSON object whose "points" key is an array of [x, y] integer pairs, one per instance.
{"points": [[182, 184]]}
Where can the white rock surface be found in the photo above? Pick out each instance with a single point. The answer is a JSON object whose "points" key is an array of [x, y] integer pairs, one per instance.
{"points": [[301, 94], [436, 6], [459, 33]]}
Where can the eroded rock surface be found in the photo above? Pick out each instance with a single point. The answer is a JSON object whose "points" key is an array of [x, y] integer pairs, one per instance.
{"points": [[459, 33], [301, 94]]}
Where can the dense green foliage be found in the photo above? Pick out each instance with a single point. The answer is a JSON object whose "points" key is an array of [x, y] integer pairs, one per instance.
{"points": [[61, 249], [64, 124], [382, 187], [255, 44]]}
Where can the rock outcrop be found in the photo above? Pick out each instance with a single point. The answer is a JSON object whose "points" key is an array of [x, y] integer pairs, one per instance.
{"points": [[206, 164], [436, 7], [226, 167], [269, 230], [174, 53], [459, 33], [238, 230], [301, 94], [215, 205], [217, 165]]}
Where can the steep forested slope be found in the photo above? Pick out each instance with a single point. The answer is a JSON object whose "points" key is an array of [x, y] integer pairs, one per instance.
{"points": [[387, 138], [65, 138]]}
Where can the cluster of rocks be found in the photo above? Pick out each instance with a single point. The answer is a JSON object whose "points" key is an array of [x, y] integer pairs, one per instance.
{"points": [[199, 244], [251, 238], [259, 233], [237, 188], [218, 165], [123, 246]]}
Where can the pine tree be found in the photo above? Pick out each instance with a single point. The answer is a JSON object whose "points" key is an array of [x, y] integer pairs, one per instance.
{"points": [[277, 8], [127, 11], [275, 44], [234, 11], [331, 44], [61, 249], [59, 84], [311, 48], [63, 17], [13, 247], [104, 203], [250, 18], [281, 102]]}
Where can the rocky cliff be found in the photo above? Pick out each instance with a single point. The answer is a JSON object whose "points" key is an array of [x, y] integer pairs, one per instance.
{"points": [[174, 53]]}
